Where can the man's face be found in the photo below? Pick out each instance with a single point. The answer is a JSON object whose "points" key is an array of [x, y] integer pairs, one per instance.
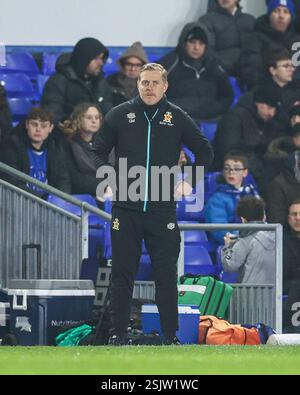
{"points": [[95, 66], [195, 49], [294, 217], [151, 87], [280, 19], [38, 131], [265, 112], [91, 121], [228, 4], [283, 72], [132, 66], [296, 140]]}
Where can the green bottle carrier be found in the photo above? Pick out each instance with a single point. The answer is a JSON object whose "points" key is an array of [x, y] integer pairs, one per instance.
{"points": [[212, 296]]}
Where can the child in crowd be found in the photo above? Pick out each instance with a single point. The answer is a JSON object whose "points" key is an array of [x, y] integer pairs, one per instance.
{"points": [[80, 132], [252, 255], [33, 149], [221, 206]]}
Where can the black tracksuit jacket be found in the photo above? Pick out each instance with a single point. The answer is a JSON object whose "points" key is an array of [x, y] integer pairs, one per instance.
{"points": [[147, 142]]}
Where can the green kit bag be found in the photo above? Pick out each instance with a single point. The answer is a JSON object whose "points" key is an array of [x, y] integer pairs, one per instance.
{"points": [[212, 296]]}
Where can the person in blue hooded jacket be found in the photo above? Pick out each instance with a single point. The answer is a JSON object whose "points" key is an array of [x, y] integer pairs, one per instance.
{"points": [[221, 206]]}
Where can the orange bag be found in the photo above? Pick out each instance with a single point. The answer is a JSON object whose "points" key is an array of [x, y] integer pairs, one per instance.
{"points": [[215, 331]]}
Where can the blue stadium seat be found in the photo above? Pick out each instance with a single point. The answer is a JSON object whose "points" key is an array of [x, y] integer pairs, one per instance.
{"points": [[210, 183], [209, 129], [198, 261], [17, 85], [111, 65], [41, 81], [19, 107], [237, 90], [49, 62], [197, 237], [20, 63]]}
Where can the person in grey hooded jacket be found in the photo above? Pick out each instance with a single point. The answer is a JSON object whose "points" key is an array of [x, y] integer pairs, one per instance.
{"points": [[252, 255]]}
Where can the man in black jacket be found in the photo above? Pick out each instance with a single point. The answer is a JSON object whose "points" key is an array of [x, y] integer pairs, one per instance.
{"points": [[148, 132], [78, 79], [33, 150], [197, 82], [250, 127], [227, 25]]}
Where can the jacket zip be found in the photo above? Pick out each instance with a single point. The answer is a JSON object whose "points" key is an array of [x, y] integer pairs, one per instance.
{"points": [[148, 158]]}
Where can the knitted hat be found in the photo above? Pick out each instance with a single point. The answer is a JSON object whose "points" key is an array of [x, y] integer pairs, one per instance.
{"points": [[136, 50], [197, 34], [84, 51], [281, 3], [267, 94]]}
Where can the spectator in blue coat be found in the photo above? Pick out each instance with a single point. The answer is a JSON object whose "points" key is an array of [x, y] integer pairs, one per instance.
{"points": [[221, 206]]}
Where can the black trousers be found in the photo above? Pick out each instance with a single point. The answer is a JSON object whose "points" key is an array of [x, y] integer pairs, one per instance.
{"points": [[162, 239]]}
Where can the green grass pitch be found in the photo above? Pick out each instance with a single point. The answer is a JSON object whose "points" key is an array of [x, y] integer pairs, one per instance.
{"points": [[170, 360]]}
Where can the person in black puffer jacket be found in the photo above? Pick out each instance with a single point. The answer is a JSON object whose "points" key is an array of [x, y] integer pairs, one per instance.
{"points": [[78, 79], [227, 24], [197, 82]]}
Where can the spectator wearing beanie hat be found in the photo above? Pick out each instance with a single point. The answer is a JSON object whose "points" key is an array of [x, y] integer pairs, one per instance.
{"points": [[78, 79], [272, 31], [124, 83], [227, 24], [250, 127], [197, 82]]}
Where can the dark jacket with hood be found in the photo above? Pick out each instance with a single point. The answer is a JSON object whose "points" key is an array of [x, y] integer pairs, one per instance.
{"points": [[149, 136], [70, 85], [255, 45], [252, 256], [243, 130], [13, 152], [283, 190], [123, 87], [226, 33], [200, 87]]}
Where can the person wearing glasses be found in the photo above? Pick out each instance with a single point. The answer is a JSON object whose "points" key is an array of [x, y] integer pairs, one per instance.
{"points": [[78, 79], [124, 83], [281, 72], [220, 208], [273, 30]]}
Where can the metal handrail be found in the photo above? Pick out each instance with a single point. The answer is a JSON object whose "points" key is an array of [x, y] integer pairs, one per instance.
{"points": [[51, 190], [85, 207]]}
